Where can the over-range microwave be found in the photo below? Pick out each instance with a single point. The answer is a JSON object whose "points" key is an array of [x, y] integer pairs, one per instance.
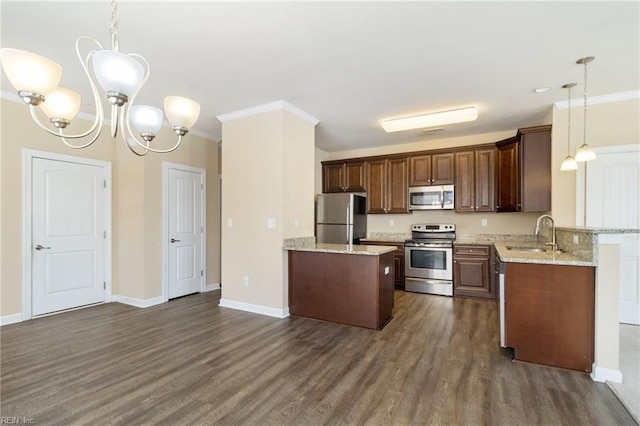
{"points": [[437, 197]]}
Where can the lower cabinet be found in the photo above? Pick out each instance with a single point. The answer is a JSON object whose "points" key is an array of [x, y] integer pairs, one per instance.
{"points": [[398, 260], [550, 314], [472, 267]]}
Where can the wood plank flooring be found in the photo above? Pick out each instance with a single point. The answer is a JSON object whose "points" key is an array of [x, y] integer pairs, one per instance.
{"points": [[191, 362]]}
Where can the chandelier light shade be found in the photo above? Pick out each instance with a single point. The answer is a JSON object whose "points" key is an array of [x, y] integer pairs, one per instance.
{"points": [[585, 153], [569, 162], [120, 76], [29, 72], [434, 119]]}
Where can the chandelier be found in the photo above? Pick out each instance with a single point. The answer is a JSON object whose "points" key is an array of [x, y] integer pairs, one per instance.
{"points": [[121, 76]]}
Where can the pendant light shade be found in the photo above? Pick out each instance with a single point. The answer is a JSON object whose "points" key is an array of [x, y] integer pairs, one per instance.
{"points": [[568, 164], [585, 153], [29, 72], [181, 112], [61, 103], [117, 72]]}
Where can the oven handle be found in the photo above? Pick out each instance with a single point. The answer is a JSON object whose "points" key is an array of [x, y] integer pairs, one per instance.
{"points": [[429, 246]]}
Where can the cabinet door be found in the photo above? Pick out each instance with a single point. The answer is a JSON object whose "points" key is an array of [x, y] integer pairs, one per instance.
{"points": [[465, 182], [535, 160], [420, 170], [485, 174], [354, 177], [333, 175], [397, 186], [442, 169], [376, 186], [471, 278], [398, 263], [508, 192]]}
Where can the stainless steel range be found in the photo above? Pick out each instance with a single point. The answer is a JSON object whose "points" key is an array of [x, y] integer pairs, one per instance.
{"points": [[429, 258]]}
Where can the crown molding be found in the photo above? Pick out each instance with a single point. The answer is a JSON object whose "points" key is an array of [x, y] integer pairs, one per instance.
{"points": [[603, 99], [281, 104], [13, 97]]}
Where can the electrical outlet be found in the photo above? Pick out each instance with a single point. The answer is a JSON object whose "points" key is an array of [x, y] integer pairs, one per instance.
{"points": [[229, 222], [576, 239], [483, 222], [271, 223], [391, 222], [246, 281], [296, 223]]}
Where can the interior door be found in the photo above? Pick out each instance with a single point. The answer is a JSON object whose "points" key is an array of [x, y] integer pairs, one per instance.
{"points": [[185, 226], [612, 201], [68, 240]]}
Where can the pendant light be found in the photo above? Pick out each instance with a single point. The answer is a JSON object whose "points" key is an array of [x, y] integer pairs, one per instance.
{"points": [[569, 162], [585, 153]]}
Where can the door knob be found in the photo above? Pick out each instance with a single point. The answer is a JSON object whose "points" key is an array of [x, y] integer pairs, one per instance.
{"points": [[40, 247], [173, 240]]}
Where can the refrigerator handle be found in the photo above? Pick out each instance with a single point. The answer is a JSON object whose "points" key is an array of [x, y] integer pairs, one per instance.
{"points": [[349, 225]]}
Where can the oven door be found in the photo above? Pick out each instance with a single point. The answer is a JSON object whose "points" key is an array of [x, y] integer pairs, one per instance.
{"points": [[429, 262]]}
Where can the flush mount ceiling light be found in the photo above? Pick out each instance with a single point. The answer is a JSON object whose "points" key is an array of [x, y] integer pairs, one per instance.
{"points": [[569, 162], [121, 76], [542, 89], [585, 153], [430, 120]]}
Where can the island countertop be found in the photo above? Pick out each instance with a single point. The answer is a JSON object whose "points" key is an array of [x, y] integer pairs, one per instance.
{"points": [[341, 249]]}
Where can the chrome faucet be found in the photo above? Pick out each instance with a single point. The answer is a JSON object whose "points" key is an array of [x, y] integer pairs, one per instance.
{"points": [[553, 244]]}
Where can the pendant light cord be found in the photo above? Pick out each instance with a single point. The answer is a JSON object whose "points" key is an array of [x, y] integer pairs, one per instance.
{"points": [[584, 133], [569, 127]]}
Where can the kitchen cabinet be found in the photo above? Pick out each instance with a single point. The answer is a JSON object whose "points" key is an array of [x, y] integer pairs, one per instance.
{"points": [[343, 176], [475, 180], [387, 186], [472, 268], [550, 314], [435, 169], [398, 260], [524, 171]]}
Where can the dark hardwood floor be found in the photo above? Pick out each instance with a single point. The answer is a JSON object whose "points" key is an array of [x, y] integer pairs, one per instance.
{"points": [[191, 362]]}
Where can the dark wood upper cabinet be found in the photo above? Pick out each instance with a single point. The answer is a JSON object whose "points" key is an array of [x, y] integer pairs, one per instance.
{"points": [[475, 180], [343, 176], [387, 186], [436, 169], [524, 171]]}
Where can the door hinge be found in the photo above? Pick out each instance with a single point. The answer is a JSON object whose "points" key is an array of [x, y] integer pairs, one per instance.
{"points": [[201, 273], [202, 186], [104, 285], [104, 234], [104, 182], [202, 229]]}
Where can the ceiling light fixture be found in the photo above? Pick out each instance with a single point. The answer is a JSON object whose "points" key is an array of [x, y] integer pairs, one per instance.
{"points": [[121, 77], [542, 89], [569, 162], [585, 153], [430, 120]]}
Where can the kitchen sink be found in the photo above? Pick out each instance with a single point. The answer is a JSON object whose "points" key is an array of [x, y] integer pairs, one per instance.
{"points": [[534, 249]]}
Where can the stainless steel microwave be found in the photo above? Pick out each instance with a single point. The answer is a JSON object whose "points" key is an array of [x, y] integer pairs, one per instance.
{"points": [[437, 197]]}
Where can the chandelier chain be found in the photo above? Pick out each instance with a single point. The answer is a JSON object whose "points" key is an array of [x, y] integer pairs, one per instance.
{"points": [[113, 28]]}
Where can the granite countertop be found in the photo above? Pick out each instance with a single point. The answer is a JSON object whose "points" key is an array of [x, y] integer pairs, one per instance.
{"points": [[343, 249], [548, 257], [387, 237]]}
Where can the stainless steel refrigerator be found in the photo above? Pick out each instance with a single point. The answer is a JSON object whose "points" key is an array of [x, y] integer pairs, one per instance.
{"points": [[341, 218]]}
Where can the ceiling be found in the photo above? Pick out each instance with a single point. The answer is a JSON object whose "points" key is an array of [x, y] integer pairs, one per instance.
{"points": [[350, 64]]}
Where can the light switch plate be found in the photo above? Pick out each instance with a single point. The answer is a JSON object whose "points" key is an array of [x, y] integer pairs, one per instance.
{"points": [[271, 223], [483, 222], [229, 222], [386, 270], [576, 239]]}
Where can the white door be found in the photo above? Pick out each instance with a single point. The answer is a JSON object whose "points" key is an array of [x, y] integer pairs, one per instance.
{"points": [[613, 201], [185, 230], [68, 240]]}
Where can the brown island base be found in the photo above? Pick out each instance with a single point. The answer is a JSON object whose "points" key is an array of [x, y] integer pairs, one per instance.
{"points": [[344, 284]]}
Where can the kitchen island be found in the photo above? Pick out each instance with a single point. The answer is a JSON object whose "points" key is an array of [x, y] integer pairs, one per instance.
{"points": [[346, 284]]}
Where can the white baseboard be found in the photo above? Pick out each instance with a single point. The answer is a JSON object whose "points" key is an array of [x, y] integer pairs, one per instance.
{"points": [[601, 374], [10, 319], [256, 309], [138, 303], [213, 286]]}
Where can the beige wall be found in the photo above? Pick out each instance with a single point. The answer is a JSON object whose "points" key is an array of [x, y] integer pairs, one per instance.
{"points": [[266, 173], [466, 223], [609, 124], [137, 205]]}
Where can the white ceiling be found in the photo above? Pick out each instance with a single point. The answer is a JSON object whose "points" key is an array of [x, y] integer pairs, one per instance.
{"points": [[351, 64]]}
